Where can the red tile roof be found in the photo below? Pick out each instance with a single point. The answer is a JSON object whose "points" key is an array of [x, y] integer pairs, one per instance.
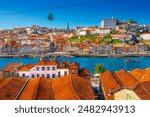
{"points": [[143, 91], [109, 84], [134, 81], [9, 88], [27, 67], [42, 62], [74, 65], [69, 87], [141, 75], [38, 89], [84, 72], [47, 62], [13, 66], [51, 62], [137, 73], [127, 79]]}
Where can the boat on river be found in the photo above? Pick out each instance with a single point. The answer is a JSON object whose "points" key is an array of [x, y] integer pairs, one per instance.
{"points": [[131, 60]]}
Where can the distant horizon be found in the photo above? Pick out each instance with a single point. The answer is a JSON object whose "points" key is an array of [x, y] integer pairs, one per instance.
{"points": [[75, 12], [57, 27]]}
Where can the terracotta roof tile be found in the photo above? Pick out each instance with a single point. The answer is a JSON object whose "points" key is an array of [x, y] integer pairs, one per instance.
{"points": [[30, 90], [137, 73], [74, 65], [47, 62], [143, 91], [141, 75], [123, 79], [10, 88], [27, 67], [44, 91], [109, 84], [42, 62], [13, 66], [84, 72], [63, 89], [82, 87], [51, 62], [128, 80], [66, 88]]}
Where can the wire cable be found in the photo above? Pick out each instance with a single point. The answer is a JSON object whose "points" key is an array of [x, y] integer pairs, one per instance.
{"points": [[55, 8]]}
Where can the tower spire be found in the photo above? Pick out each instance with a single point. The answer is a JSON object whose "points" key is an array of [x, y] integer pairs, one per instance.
{"points": [[68, 28]]}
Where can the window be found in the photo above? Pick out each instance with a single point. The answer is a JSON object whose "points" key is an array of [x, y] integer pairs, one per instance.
{"points": [[43, 68], [13, 74], [38, 75], [53, 68], [73, 71], [43, 75], [37, 69], [48, 68], [48, 75], [65, 73], [23, 75], [53, 75], [32, 75], [128, 97], [59, 74]]}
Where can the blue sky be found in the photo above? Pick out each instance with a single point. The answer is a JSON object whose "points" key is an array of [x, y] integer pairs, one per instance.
{"points": [[86, 15]]}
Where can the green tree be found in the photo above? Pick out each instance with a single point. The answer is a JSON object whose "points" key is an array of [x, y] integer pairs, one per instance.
{"points": [[71, 51], [91, 37], [99, 68], [115, 41], [73, 38], [130, 21], [107, 39]]}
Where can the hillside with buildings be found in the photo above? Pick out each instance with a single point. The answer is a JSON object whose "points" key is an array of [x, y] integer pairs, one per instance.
{"points": [[113, 36]]}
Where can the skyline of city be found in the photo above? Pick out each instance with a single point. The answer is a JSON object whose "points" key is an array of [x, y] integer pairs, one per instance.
{"points": [[70, 12]]}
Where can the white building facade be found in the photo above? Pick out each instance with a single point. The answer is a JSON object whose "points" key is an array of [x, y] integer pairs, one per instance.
{"points": [[146, 36], [104, 31], [43, 70]]}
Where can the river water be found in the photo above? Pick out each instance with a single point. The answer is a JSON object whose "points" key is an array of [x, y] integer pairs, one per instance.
{"points": [[113, 64]]}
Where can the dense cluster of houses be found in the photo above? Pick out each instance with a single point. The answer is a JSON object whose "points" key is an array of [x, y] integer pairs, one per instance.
{"points": [[36, 39]]}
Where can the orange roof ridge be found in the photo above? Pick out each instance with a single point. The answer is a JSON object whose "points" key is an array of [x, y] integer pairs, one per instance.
{"points": [[51, 62], [117, 80], [53, 90], [127, 79], [138, 73], [21, 90], [82, 87], [45, 91], [64, 90], [42, 62], [30, 90], [131, 75], [36, 87], [109, 84], [75, 93]]}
